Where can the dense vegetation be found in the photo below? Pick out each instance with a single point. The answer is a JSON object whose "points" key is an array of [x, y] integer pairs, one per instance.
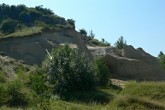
{"points": [[120, 43], [161, 59], [20, 17], [68, 75], [91, 40], [32, 92], [141, 96], [70, 72]]}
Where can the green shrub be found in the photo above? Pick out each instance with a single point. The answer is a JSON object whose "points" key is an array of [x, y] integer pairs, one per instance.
{"points": [[2, 77], [98, 43], [161, 59], [103, 73], [71, 23], [8, 26], [120, 43], [69, 71], [83, 32], [38, 82], [18, 94], [3, 94], [42, 91]]}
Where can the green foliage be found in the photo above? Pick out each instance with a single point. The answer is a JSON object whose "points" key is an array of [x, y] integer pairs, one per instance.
{"points": [[2, 77], [44, 10], [14, 17], [69, 71], [102, 40], [83, 32], [120, 43], [161, 59], [141, 96], [3, 94], [96, 42], [103, 73], [71, 23], [38, 83], [92, 40], [8, 26], [136, 103], [91, 34], [152, 90], [25, 17], [18, 95], [96, 96]]}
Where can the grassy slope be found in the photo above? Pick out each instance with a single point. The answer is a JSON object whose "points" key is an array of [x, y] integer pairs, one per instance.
{"points": [[135, 96], [141, 96], [26, 32]]}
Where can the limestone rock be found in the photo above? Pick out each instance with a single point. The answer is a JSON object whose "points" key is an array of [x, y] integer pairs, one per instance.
{"points": [[130, 63]]}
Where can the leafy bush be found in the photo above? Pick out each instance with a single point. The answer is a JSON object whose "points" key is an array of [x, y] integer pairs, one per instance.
{"points": [[98, 43], [2, 77], [83, 32], [25, 17], [42, 91], [38, 82], [103, 73], [18, 95], [3, 94], [91, 34], [13, 18], [161, 59], [8, 26], [69, 71], [71, 23], [120, 43]]}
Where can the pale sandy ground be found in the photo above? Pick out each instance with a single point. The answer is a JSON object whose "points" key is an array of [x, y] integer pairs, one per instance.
{"points": [[118, 82]]}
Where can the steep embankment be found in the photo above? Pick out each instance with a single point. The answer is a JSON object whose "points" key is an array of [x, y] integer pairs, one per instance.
{"points": [[32, 49], [130, 63]]}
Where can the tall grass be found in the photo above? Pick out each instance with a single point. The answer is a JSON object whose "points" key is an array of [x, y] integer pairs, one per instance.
{"points": [[141, 96]]}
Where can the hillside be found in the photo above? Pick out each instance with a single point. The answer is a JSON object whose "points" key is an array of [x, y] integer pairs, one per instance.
{"points": [[32, 49], [45, 64], [21, 21], [21, 18]]}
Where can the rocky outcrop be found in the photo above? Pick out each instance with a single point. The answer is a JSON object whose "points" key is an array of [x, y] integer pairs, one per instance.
{"points": [[130, 63], [32, 49]]}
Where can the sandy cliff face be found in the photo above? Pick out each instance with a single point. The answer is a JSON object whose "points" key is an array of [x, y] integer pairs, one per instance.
{"points": [[130, 63], [32, 49]]}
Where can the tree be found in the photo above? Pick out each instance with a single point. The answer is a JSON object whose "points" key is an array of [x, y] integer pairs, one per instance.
{"points": [[103, 72], [161, 59], [107, 43], [44, 11], [25, 17], [83, 32], [8, 26], [69, 71], [71, 23], [91, 34], [103, 40], [161, 54], [120, 43]]}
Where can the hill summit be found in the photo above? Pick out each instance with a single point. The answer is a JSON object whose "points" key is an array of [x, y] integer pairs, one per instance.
{"points": [[20, 17]]}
